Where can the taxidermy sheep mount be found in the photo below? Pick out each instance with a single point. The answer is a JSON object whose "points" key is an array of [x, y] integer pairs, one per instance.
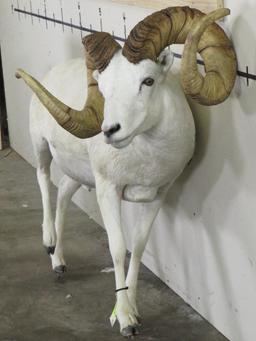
{"points": [[136, 132]]}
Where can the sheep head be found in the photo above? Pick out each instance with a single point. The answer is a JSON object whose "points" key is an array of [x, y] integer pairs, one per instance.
{"points": [[130, 78]]}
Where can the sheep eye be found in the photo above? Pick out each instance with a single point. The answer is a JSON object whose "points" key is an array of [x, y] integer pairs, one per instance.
{"points": [[148, 81]]}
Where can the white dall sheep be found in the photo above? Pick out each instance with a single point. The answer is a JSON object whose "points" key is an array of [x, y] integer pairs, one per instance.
{"points": [[141, 128]]}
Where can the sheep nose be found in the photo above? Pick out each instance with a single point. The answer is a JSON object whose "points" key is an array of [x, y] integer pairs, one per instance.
{"points": [[112, 130]]}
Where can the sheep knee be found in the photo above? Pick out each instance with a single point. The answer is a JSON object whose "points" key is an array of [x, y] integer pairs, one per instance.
{"points": [[139, 193]]}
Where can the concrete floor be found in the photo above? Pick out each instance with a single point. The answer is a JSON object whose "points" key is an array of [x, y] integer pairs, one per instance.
{"points": [[35, 305]]}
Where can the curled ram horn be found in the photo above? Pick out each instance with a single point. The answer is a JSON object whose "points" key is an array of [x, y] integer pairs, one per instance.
{"points": [[99, 50], [199, 33]]}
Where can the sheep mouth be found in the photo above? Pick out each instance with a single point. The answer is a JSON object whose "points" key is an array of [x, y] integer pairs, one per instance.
{"points": [[122, 143]]}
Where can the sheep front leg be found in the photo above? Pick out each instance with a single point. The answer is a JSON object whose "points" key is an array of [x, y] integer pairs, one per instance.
{"points": [[109, 199], [142, 230]]}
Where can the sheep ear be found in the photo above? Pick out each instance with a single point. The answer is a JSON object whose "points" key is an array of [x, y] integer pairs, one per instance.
{"points": [[95, 75], [165, 59]]}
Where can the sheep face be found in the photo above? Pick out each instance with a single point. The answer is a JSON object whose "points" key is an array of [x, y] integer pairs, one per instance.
{"points": [[131, 91]]}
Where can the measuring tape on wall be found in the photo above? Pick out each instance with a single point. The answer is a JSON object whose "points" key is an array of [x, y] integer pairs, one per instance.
{"points": [[43, 16]]}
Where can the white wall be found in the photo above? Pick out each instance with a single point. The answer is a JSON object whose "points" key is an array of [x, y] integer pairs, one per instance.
{"points": [[203, 242]]}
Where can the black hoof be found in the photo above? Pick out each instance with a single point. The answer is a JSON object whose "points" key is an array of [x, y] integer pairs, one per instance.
{"points": [[50, 250], [139, 320], [60, 269], [129, 331]]}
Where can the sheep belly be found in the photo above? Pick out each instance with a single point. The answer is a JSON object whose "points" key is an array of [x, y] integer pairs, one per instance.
{"points": [[78, 169]]}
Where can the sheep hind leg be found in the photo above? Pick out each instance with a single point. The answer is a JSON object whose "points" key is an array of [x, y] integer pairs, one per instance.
{"points": [[140, 238], [66, 189], [44, 158]]}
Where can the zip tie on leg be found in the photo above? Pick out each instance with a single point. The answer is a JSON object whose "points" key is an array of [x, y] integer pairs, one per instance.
{"points": [[125, 288]]}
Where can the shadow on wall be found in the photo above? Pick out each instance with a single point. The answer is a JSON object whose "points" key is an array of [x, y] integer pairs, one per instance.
{"points": [[75, 48], [242, 27], [217, 151]]}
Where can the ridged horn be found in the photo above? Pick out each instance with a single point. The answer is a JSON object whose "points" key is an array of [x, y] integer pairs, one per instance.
{"points": [[99, 49], [199, 33]]}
